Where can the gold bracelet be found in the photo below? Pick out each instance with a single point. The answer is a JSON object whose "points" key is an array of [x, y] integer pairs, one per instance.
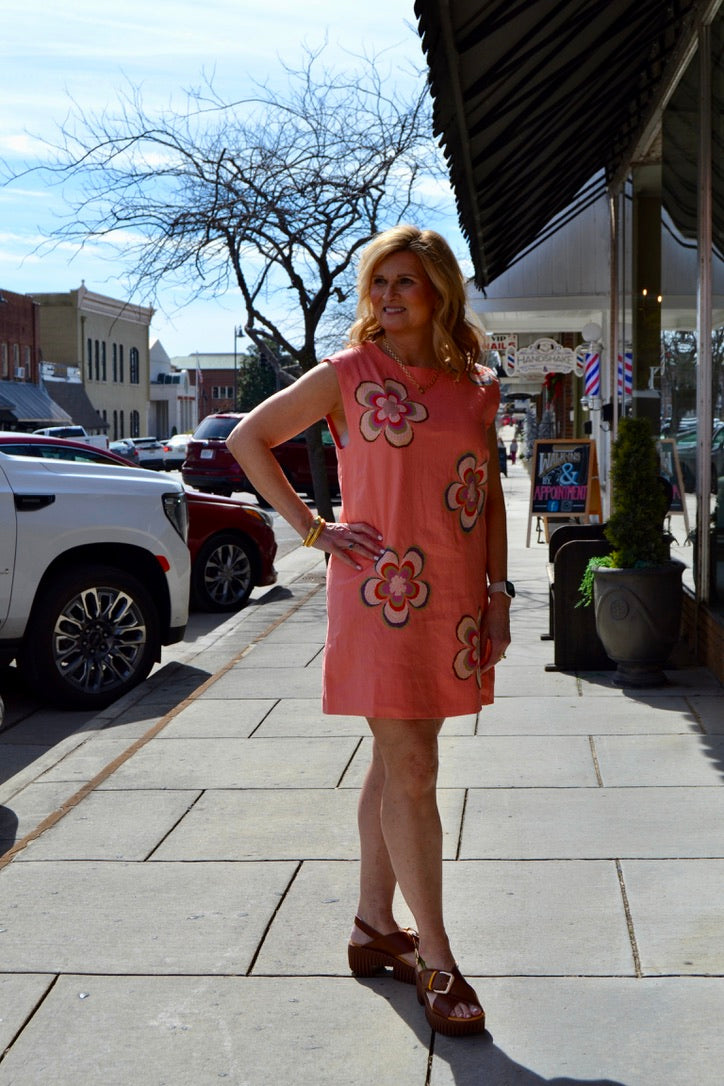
{"points": [[315, 530]]}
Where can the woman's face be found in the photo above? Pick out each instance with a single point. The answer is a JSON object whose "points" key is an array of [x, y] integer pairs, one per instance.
{"points": [[402, 296]]}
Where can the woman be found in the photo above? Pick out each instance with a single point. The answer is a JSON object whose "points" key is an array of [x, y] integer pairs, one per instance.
{"points": [[416, 592]]}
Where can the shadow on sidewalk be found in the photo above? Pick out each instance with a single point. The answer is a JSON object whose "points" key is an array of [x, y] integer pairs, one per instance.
{"points": [[473, 1061]]}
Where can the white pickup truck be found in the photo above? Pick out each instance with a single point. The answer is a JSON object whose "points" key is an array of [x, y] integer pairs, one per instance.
{"points": [[94, 575], [77, 433]]}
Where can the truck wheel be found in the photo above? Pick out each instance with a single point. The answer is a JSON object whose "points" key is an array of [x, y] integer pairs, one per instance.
{"points": [[223, 574], [92, 636]]}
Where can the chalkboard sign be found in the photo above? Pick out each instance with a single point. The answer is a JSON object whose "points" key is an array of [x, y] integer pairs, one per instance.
{"points": [[564, 481]]}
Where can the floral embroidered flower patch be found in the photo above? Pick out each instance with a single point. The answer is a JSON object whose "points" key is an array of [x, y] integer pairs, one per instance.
{"points": [[467, 494], [389, 412], [467, 661], [397, 586]]}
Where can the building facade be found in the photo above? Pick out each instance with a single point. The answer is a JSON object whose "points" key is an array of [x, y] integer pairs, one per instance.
{"points": [[24, 403], [108, 341]]}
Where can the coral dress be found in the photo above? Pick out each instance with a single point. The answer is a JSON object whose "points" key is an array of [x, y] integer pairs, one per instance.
{"points": [[403, 634]]}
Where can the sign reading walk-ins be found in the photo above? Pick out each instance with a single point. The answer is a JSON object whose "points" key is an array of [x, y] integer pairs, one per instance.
{"points": [[564, 480]]}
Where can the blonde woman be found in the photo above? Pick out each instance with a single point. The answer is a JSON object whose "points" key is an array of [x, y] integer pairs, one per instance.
{"points": [[417, 590]]}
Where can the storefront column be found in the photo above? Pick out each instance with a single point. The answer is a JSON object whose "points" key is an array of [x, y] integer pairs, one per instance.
{"points": [[646, 289]]}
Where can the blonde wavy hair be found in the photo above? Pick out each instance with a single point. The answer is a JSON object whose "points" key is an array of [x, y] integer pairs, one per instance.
{"points": [[457, 336]]}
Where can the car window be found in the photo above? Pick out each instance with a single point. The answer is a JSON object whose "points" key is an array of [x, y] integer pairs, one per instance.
{"points": [[19, 449], [215, 429], [53, 452]]}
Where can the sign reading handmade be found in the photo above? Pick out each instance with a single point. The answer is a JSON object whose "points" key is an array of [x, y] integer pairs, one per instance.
{"points": [[542, 357]]}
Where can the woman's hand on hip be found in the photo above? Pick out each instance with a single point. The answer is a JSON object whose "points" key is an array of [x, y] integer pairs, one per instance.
{"points": [[351, 542]]}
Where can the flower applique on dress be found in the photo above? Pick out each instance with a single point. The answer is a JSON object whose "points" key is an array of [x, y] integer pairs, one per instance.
{"points": [[466, 495], [397, 586], [390, 411], [467, 661]]}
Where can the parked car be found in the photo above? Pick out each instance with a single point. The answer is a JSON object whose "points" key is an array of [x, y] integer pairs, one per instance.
{"points": [[174, 451], [232, 547], [232, 544], [127, 450], [77, 433], [97, 574], [210, 467], [150, 451], [686, 448]]}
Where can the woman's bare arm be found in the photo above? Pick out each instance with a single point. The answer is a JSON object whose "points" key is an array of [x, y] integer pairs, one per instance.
{"points": [[282, 416]]}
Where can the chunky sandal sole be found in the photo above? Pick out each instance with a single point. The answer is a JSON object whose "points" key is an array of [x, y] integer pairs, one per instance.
{"points": [[451, 1027], [368, 963]]}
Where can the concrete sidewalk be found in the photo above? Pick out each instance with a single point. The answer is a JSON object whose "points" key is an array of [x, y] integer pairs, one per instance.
{"points": [[183, 873]]}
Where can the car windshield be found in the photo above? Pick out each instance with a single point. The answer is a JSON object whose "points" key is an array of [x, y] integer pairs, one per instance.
{"points": [[215, 428]]}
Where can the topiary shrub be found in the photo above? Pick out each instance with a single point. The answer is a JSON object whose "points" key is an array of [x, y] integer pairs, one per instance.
{"points": [[635, 529]]}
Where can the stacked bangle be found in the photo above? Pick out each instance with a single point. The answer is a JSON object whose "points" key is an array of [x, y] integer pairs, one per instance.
{"points": [[315, 530]]}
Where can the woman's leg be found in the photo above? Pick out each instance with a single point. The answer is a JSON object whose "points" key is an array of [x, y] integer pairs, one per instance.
{"points": [[411, 831], [377, 878]]}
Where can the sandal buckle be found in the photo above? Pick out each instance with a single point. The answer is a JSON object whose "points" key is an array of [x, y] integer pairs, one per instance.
{"points": [[442, 991]]}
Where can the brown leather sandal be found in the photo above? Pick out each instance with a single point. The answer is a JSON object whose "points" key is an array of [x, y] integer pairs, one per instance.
{"points": [[448, 989], [383, 951]]}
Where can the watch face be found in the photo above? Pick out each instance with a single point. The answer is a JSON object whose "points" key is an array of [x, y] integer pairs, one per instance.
{"points": [[510, 588]]}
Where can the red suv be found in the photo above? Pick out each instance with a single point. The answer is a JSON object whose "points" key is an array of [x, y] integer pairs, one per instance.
{"points": [[210, 467]]}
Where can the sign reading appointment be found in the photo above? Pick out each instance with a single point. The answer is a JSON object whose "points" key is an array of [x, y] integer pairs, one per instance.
{"points": [[561, 477]]}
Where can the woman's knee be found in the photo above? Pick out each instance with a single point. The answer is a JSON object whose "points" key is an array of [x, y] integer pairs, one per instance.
{"points": [[410, 756]]}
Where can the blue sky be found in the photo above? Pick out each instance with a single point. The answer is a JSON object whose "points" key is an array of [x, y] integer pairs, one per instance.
{"points": [[56, 50]]}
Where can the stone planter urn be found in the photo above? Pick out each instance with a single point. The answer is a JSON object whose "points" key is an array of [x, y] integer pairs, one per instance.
{"points": [[638, 616]]}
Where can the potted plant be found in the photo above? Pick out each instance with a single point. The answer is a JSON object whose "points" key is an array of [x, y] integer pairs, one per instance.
{"points": [[637, 592]]}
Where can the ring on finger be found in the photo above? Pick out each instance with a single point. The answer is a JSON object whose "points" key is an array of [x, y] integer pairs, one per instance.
{"points": [[350, 544]]}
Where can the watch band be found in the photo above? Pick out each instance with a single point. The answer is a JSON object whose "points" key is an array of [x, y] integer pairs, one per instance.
{"points": [[506, 587]]}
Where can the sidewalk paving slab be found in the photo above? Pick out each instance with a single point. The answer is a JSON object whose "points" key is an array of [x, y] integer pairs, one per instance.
{"points": [[235, 763], [125, 918], [544, 918], [676, 907], [191, 1030], [495, 761], [590, 823]]}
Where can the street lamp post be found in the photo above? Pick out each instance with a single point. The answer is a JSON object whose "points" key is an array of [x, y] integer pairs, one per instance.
{"points": [[238, 334]]}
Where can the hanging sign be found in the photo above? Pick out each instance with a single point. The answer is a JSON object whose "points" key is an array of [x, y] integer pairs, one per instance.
{"points": [[544, 356]]}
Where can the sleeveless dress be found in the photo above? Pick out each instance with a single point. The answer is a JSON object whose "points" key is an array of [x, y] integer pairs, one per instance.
{"points": [[403, 634]]}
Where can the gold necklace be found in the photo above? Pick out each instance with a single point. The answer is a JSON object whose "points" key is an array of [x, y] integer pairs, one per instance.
{"points": [[387, 347]]}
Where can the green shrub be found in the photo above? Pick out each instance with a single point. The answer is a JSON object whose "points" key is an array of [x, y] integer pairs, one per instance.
{"points": [[635, 529]]}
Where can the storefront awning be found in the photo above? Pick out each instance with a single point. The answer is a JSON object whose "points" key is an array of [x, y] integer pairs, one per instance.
{"points": [[28, 406], [539, 104]]}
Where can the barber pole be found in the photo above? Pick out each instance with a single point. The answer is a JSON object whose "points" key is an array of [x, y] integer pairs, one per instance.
{"points": [[625, 375], [592, 374]]}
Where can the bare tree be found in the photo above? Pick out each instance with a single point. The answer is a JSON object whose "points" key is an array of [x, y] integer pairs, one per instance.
{"points": [[274, 193]]}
